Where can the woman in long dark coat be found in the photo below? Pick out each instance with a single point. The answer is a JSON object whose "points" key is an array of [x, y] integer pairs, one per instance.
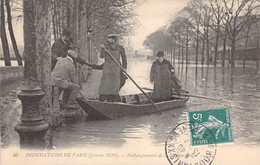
{"points": [[160, 77]]}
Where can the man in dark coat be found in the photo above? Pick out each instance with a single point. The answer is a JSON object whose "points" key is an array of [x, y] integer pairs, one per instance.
{"points": [[160, 77], [110, 81], [60, 48]]}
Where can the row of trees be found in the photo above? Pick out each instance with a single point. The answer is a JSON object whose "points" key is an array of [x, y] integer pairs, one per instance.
{"points": [[210, 25], [89, 20], [92, 20], [5, 6]]}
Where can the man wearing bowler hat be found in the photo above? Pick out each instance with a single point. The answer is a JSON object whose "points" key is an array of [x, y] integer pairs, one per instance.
{"points": [[160, 76], [110, 81], [60, 48]]}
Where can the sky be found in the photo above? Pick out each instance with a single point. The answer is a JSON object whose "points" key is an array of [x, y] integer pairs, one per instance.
{"points": [[152, 15]]}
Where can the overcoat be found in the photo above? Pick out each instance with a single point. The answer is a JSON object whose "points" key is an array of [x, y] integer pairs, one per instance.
{"points": [[60, 49], [110, 80], [160, 75]]}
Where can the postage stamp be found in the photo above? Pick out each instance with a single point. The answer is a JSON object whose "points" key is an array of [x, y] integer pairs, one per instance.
{"points": [[216, 120], [178, 149]]}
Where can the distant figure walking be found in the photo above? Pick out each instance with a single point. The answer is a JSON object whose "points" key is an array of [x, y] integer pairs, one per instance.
{"points": [[160, 77], [110, 81]]}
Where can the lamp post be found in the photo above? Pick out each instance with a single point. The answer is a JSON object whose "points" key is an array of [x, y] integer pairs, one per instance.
{"points": [[33, 129], [89, 32]]}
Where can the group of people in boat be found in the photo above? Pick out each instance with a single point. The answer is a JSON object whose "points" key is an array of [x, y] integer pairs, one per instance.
{"points": [[63, 74]]}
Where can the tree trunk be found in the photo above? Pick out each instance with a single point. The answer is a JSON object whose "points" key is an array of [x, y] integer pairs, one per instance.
{"points": [[197, 44], [179, 55], [174, 54], [216, 48], [207, 43], [37, 55], [53, 13], [182, 54], [203, 49], [187, 47], [257, 46], [30, 72], [233, 50], [11, 32], [244, 56], [4, 38], [43, 54], [224, 49], [73, 23]]}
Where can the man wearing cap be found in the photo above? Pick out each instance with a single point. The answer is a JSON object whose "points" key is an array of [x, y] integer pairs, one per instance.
{"points": [[64, 77], [160, 77], [110, 81], [60, 48]]}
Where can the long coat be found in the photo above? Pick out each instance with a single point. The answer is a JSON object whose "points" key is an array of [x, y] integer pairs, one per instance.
{"points": [[160, 75], [110, 81]]}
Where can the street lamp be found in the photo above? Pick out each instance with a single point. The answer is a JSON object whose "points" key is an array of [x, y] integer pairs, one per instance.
{"points": [[89, 32]]}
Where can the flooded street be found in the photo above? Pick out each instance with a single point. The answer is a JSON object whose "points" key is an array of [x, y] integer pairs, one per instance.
{"points": [[139, 139]]}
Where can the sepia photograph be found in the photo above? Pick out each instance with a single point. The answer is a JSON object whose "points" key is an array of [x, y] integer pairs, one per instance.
{"points": [[130, 82]]}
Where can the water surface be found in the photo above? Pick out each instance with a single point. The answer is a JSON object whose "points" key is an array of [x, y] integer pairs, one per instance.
{"points": [[236, 88]]}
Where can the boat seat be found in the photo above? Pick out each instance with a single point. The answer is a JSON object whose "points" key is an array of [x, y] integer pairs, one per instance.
{"points": [[130, 99], [142, 98]]}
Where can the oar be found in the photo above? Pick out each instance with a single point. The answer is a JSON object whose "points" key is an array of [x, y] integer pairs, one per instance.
{"points": [[132, 80], [191, 95]]}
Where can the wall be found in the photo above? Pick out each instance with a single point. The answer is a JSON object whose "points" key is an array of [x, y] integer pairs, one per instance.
{"points": [[10, 73]]}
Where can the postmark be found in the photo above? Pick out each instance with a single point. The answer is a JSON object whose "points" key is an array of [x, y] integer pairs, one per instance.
{"points": [[178, 148], [216, 120]]}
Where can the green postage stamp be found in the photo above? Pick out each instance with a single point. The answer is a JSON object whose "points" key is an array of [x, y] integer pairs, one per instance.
{"points": [[216, 122]]}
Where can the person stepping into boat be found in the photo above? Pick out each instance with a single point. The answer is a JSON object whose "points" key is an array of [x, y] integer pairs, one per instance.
{"points": [[64, 76], [160, 78], [110, 81]]}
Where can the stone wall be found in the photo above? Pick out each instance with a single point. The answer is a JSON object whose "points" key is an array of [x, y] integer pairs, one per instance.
{"points": [[10, 73]]}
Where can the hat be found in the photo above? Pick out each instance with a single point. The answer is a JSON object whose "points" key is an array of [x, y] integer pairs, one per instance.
{"points": [[66, 32], [160, 54]]}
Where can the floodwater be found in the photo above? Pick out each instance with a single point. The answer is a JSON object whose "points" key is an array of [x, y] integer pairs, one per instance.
{"points": [[141, 140]]}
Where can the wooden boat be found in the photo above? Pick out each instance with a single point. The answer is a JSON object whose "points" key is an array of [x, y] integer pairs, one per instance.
{"points": [[131, 105]]}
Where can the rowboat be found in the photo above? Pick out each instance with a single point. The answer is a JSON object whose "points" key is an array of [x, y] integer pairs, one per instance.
{"points": [[130, 105]]}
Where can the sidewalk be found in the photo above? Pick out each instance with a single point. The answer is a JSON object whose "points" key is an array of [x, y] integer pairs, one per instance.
{"points": [[10, 115]]}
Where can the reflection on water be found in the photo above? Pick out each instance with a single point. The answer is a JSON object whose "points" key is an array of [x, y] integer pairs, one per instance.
{"points": [[236, 88]]}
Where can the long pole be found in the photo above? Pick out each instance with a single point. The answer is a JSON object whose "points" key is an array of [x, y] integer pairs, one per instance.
{"points": [[191, 95], [132, 80]]}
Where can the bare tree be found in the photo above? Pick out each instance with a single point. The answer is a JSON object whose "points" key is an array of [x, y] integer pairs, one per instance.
{"points": [[11, 32], [239, 14], [218, 14], [4, 38]]}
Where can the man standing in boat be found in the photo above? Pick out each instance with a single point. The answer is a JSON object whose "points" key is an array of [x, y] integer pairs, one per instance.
{"points": [[110, 81], [160, 76]]}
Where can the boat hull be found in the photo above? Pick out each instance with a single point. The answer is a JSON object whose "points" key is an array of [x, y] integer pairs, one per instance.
{"points": [[113, 110]]}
